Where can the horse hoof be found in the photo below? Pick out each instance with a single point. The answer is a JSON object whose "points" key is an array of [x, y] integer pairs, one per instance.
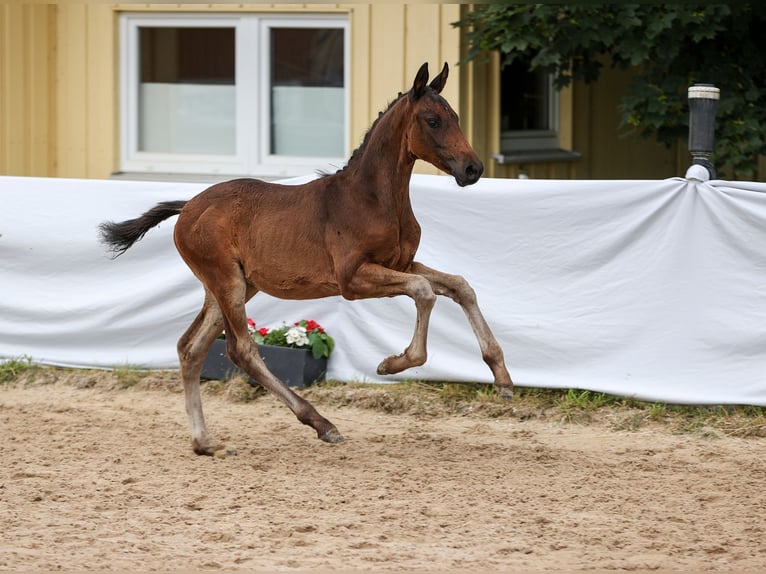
{"points": [[505, 393], [395, 364], [332, 436], [207, 449]]}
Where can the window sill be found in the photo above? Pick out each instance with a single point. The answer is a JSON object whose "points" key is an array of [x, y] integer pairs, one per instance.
{"points": [[536, 156]]}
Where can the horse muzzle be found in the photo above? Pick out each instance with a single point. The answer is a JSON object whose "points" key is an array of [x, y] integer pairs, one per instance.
{"points": [[469, 173]]}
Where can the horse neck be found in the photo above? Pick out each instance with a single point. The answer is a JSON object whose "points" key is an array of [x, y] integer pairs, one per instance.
{"points": [[385, 166]]}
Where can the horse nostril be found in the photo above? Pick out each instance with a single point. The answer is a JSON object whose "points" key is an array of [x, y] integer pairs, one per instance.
{"points": [[473, 171]]}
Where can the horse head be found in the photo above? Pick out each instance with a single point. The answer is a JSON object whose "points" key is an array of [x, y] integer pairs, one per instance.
{"points": [[434, 133]]}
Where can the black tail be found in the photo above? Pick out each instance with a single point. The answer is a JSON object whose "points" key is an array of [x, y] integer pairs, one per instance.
{"points": [[119, 237]]}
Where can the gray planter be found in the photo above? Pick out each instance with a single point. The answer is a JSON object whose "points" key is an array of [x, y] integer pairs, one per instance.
{"points": [[297, 368]]}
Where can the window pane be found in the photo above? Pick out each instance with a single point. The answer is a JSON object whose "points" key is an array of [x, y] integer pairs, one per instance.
{"points": [[187, 90], [524, 98], [307, 92]]}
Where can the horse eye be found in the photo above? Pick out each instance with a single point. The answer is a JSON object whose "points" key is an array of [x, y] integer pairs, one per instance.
{"points": [[433, 122]]}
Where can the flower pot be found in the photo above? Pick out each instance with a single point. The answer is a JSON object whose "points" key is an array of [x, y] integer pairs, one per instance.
{"points": [[297, 368]]}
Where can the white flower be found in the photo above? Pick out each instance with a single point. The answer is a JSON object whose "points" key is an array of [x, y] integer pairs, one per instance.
{"points": [[297, 336]]}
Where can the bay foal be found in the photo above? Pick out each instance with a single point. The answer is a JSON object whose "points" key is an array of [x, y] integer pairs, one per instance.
{"points": [[352, 233]]}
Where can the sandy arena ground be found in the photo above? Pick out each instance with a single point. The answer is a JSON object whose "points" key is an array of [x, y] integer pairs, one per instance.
{"points": [[96, 479]]}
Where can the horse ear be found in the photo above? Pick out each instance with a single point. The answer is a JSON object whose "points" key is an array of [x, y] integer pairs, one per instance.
{"points": [[438, 82], [419, 86]]}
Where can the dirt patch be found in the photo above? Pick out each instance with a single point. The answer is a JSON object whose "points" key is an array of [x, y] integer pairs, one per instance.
{"points": [[98, 474]]}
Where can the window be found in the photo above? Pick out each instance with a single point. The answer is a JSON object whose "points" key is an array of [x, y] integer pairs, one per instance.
{"points": [[233, 94], [186, 91], [529, 118], [528, 109], [306, 91]]}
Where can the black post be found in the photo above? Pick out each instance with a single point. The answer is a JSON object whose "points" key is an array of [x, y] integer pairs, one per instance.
{"points": [[703, 100]]}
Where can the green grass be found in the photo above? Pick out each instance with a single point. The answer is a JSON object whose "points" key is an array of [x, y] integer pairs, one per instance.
{"points": [[657, 411], [129, 375], [568, 406], [437, 399], [11, 369]]}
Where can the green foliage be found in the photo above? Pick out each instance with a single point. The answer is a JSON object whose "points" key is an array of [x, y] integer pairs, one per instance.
{"points": [[672, 46], [275, 337], [321, 344], [11, 369]]}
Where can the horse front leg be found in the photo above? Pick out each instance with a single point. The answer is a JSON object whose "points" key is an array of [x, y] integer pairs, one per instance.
{"points": [[416, 352], [374, 281], [458, 289]]}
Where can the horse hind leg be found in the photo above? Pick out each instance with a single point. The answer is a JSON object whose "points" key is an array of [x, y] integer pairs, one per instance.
{"points": [[192, 349], [243, 352]]}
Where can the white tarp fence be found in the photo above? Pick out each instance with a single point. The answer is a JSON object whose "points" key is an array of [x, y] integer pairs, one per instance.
{"points": [[650, 289]]}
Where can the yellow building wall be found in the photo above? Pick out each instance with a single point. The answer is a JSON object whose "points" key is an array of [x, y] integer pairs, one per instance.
{"points": [[595, 120], [86, 91], [59, 92], [27, 83]]}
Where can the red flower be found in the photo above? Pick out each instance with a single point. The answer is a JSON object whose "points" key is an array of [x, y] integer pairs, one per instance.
{"points": [[263, 331]]}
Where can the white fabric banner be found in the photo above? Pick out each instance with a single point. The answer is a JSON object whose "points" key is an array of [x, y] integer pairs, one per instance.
{"points": [[649, 289]]}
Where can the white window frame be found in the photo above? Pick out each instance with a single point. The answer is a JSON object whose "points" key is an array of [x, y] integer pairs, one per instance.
{"points": [[279, 163], [253, 97]]}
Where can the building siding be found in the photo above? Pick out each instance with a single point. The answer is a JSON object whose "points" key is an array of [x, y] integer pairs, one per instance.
{"points": [[59, 98], [27, 128]]}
